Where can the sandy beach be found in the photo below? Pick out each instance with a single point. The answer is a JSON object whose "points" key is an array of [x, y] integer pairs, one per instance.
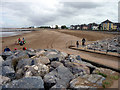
{"points": [[57, 39], [52, 38]]}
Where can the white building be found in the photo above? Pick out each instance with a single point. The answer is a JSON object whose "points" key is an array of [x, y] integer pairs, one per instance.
{"points": [[119, 11], [95, 27]]}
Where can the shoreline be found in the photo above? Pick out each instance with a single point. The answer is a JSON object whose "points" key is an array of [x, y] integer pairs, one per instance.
{"points": [[7, 34]]}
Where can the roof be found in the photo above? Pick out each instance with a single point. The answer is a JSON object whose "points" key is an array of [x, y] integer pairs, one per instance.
{"points": [[107, 21], [118, 24]]}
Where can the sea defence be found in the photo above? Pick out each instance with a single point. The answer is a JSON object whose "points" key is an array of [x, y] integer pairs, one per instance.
{"points": [[49, 69]]}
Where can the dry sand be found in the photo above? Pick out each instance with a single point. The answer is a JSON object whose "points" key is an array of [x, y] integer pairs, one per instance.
{"points": [[57, 39]]}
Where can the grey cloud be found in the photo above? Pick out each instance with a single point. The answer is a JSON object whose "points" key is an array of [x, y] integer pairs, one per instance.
{"points": [[82, 5], [63, 11]]}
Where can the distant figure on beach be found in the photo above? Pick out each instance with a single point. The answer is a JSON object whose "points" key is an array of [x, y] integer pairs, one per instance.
{"points": [[24, 48], [23, 40], [83, 42], [6, 49], [77, 44], [19, 40], [21, 43]]}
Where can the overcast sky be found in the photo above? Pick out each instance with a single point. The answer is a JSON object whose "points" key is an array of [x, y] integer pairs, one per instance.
{"points": [[23, 13]]}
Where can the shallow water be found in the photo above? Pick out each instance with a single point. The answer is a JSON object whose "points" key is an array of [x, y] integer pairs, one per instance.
{"points": [[7, 34]]}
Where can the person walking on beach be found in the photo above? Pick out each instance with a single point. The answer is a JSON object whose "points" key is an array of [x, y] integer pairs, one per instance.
{"points": [[83, 42], [6, 49], [77, 44]]}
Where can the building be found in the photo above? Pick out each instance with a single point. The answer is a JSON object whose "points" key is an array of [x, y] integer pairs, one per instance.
{"points": [[118, 26], [90, 26], [93, 26], [75, 27], [84, 27], [108, 25], [72, 27]]}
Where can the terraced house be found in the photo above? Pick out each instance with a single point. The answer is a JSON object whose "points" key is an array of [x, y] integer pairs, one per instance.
{"points": [[108, 25]]}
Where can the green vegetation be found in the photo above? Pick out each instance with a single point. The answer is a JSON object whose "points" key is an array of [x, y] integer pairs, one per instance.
{"points": [[56, 26], [102, 74], [109, 79], [64, 27], [107, 83], [115, 77]]}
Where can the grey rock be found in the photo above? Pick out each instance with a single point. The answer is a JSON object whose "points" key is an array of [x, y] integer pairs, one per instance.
{"points": [[19, 73], [37, 70], [34, 70], [81, 83], [54, 55], [1, 60], [6, 54], [8, 71], [30, 50], [61, 76], [31, 54], [58, 87], [55, 64], [109, 45], [94, 78], [77, 68], [26, 82], [4, 80], [43, 60], [24, 62], [7, 63], [64, 54]]}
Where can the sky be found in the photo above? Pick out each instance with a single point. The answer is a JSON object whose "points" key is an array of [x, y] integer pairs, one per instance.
{"points": [[25, 13]]}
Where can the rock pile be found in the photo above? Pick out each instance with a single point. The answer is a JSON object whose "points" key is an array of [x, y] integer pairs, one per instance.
{"points": [[47, 69], [107, 45]]}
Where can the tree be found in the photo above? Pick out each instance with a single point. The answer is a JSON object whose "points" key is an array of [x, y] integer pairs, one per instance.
{"points": [[56, 26], [63, 27]]}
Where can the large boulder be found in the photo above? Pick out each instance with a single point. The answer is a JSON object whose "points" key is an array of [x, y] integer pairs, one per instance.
{"points": [[55, 55], [40, 52], [55, 64], [59, 76], [77, 69], [81, 83], [95, 78], [43, 60], [24, 62], [19, 55], [37, 70], [34, 70], [26, 82], [7, 63], [8, 71], [6, 54]]}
